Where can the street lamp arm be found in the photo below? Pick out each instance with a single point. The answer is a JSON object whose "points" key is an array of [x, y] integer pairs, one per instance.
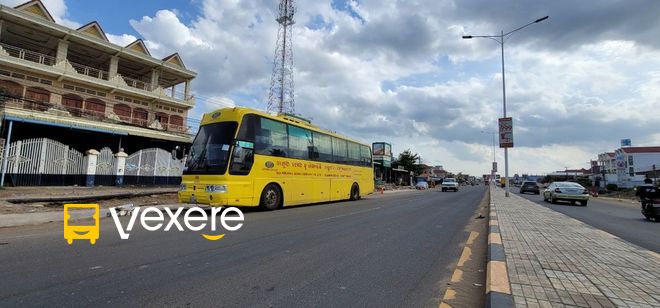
{"points": [[474, 36], [496, 38], [527, 25]]}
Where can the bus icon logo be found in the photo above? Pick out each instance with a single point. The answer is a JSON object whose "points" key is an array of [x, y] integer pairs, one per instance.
{"points": [[81, 230]]}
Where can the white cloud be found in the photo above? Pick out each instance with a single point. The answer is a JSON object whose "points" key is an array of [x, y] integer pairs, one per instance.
{"points": [[399, 72], [121, 40]]}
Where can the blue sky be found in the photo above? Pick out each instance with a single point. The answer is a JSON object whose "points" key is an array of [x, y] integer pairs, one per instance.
{"points": [[398, 71], [114, 15]]}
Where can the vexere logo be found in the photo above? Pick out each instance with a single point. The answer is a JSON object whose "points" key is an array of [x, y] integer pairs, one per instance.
{"points": [[155, 219]]}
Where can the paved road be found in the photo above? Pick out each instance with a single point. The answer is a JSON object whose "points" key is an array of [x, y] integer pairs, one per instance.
{"points": [[386, 250], [621, 219]]}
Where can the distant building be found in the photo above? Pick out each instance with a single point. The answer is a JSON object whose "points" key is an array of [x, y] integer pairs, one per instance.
{"points": [[606, 173], [633, 164], [438, 171], [427, 172], [76, 87], [570, 173]]}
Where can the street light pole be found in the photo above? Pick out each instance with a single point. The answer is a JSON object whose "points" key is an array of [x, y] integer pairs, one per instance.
{"points": [[500, 39]]}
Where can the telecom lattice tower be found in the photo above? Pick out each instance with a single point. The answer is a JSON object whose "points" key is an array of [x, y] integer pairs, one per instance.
{"points": [[280, 97]]}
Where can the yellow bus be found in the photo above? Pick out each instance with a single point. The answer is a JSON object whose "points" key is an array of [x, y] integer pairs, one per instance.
{"points": [[243, 157]]}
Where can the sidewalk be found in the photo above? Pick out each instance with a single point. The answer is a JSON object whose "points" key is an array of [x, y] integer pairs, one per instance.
{"points": [[65, 193], [34, 205], [553, 260]]}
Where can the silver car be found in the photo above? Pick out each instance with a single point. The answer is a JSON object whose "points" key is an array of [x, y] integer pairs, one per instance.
{"points": [[566, 191]]}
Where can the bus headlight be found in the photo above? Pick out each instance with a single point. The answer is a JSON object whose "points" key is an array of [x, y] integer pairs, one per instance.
{"points": [[220, 189]]}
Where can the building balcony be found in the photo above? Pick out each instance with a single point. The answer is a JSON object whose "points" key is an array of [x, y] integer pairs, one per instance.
{"points": [[27, 55], [35, 97], [98, 115], [89, 71], [50, 66]]}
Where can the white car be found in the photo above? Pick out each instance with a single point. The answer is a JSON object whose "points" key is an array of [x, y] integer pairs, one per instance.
{"points": [[422, 185], [449, 184]]}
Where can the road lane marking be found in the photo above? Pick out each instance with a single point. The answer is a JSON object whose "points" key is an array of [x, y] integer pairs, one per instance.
{"points": [[449, 294], [465, 256], [457, 275], [349, 214], [473, 236]]}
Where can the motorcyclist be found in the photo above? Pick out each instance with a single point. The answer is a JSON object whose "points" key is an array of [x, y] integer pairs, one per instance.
{"points": [[646, 191], [643, 190]]}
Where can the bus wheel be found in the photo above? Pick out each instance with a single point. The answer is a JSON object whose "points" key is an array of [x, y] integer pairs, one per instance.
{"points": [[355, 192], [270, 197]]}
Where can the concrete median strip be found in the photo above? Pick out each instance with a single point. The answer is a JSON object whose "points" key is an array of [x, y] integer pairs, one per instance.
{"points": [[498, 288], [542, 258]]}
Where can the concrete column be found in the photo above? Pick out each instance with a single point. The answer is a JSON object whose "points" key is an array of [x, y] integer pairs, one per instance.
{"points": [[92, 158], [155, 77], [114, 66], [173, 90], [186, 90], [120, 167], [62, 50]]}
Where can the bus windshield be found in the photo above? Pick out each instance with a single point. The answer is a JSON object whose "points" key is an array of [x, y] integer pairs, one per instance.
{"points": [[209, 153]]}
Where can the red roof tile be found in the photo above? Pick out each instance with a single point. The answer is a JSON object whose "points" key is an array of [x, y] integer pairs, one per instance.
{"points": [[631, 150]]}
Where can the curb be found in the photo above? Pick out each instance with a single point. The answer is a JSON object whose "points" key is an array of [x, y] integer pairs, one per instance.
{"points": [[498, 288], [17, 200]]}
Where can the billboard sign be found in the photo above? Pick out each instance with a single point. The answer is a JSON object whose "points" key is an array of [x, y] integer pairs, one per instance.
{"points": [[506, 132], [382, 153], [626, 142]]}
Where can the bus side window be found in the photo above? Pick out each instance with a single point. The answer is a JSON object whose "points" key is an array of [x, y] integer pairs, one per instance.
{"points": [[323, 146], [300, 143], [272, 138], [353, 154], [365, 156], [313, 152], [339, 151]]}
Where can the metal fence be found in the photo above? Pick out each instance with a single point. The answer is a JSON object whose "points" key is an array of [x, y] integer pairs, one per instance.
{"points": [[152, 166], [105, 168], [42, 161], [46, 162]]}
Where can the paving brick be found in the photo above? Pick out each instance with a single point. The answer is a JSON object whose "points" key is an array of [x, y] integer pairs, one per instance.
{"points": [[557, 261]]}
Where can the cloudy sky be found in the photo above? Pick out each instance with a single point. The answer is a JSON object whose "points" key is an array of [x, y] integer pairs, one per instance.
{"points": [[398, 71]]}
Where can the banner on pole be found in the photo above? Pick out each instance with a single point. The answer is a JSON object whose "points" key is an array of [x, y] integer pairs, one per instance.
{"points": [[506, 132]]}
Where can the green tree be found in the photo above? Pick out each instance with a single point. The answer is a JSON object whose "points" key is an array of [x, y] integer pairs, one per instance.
{"points": [[408, 160]]}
